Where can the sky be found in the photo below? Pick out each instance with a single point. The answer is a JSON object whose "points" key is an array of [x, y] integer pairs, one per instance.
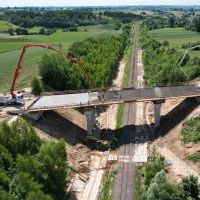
{"points": [[19, 3]]}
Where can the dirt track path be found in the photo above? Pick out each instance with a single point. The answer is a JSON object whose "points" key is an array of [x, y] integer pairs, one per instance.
{"points": [[179, 167]]}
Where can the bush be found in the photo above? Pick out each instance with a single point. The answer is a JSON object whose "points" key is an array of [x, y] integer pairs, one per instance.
{"points": [[194, 157], [189, 188], [39, 195], [160, 189], [73, 29], [36, 86], [191, 130], [151, 169], [22, 184], [19, 138]]}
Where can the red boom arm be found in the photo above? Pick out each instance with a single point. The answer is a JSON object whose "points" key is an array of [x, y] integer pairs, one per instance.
{"points": [[20, 62]]}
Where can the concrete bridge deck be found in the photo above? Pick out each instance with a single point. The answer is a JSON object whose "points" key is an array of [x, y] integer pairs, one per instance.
{"points": [[112, 97]]}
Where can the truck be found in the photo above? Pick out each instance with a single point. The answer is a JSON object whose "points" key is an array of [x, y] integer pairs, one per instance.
{"points": [[18, 98], [8, 99]]}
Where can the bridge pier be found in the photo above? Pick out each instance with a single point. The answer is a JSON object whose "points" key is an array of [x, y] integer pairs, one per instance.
{"points": [[157, 112], [91, 120]]}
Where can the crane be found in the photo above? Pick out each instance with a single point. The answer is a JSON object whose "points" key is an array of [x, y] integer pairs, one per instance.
{"points": [[18, 98]]}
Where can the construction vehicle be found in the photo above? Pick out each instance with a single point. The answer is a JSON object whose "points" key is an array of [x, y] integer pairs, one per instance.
{"points": [[18, 98], [7, 99]]}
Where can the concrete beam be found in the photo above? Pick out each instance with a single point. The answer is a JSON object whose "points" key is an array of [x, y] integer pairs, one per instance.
{"points": [[91, 120]]}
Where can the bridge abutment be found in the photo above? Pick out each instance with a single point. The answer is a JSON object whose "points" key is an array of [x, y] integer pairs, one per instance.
{"points": [[34, 116], [91, 120], [157, 112]]}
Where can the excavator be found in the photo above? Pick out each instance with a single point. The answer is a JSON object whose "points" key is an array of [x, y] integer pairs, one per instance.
{"points": [[18, 98]]}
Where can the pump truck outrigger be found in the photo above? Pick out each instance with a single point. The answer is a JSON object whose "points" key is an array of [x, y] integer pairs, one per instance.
{"points": [[18, 98]]}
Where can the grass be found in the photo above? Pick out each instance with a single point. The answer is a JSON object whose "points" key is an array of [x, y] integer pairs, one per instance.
{"points": [[138, 183], [106, 193], [191, 130], [34, 29], [195, 53], [10, 49], [4, 26], [194, 158], [10, 43], [175, 36]]}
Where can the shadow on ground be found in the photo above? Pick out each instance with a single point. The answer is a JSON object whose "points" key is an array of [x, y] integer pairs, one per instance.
{"points": [[58, 127], [141, 134]]}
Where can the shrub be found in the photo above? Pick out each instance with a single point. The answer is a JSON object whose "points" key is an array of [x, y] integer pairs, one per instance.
{"points": [[194, 157], [36, 86], [191, 130]]}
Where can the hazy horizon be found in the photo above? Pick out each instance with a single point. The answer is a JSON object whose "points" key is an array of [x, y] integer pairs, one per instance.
{"points": [[78, 3]]}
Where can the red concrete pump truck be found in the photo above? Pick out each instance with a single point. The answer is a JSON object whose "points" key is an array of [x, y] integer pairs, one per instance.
{"points": [[18, 98]]}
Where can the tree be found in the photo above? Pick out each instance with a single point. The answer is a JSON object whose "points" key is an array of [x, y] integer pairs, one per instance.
{"points": [[36, 86], [151, 169], [11, 31], [100, 57], [117, 26], [165, 43], [30, 169], [39, 195], [171, 21], [6, 158], [195, 24], [4, 180], [159, 189], [190, 188], [42, 31], [53, 18], [54, 171], [4, 195], [19, 138], [73, 29], [18, 31], [22, 184]]}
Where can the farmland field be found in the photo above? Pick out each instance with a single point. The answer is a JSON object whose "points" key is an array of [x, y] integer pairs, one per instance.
{"points": [[10, 48], [6, 25], [175, 36]]}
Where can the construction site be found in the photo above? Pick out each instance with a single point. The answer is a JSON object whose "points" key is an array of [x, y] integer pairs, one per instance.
{"points": [[87, 121]]}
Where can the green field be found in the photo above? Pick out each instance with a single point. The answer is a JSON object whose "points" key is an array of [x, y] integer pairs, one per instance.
{"points": [[175, 36], [6, 25], [10, 48]]}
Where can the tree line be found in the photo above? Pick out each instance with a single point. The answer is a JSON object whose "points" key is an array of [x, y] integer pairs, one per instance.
{"points": [[161, 63], [188, 21], [52, 19], [30, 168], [100, 57], [123, 16]]}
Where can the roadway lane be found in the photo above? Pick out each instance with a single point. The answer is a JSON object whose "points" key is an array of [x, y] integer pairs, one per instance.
{"points": [[112, 97]]}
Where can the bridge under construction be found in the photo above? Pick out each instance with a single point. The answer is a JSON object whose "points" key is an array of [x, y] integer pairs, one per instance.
{"points": [[90, 100]]}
